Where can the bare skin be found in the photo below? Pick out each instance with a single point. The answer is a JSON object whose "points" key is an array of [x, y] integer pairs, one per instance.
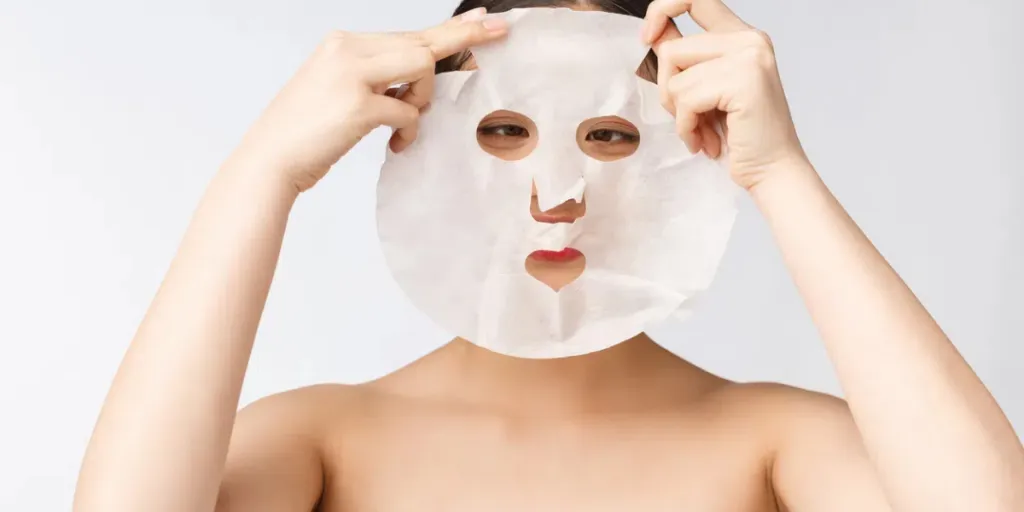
{"points": [[632, 428], [629, 428]]}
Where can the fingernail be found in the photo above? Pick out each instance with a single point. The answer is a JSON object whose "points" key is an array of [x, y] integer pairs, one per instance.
{"points": [[474, 14], [495, 24]]}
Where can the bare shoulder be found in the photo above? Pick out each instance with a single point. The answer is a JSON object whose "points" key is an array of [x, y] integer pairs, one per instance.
{"points": [[307, 404], [785, 406], [275, 458], [791, 418], [304, 417], [817, 457]]}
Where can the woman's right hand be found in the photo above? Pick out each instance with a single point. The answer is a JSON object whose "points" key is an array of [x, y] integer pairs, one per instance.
{"points": [[344, 91]]}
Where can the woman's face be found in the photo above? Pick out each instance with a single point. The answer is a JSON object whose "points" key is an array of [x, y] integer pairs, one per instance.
{"points": [[512, 136]]}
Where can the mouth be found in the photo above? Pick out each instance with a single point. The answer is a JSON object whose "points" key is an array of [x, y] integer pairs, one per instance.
{"points": [[557, 269], [564, 256]]}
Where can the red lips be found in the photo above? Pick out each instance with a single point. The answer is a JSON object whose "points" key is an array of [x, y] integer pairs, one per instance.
{"points": [[565, 255]]}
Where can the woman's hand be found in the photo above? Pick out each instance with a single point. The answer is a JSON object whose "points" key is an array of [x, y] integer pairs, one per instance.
{"points": [[918, 429], [343, 91], [729, 71]]}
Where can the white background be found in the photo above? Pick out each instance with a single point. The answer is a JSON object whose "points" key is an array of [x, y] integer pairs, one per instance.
{"points": [[115, 114]]}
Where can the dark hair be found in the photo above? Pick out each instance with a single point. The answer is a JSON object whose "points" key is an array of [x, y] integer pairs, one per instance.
{"points": [[637, 8]]}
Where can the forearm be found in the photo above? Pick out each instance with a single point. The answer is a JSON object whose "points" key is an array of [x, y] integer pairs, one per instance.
{"points": [[162, 435], [937, 437]]}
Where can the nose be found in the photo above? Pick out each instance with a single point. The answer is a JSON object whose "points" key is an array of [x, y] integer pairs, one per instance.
{"points": [[561, 184], [567, 211]]}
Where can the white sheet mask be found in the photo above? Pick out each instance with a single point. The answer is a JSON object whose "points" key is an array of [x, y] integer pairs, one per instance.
{"points": [[454, 221]]}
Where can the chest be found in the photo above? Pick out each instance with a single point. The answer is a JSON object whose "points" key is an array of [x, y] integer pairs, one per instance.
{"points": [[606, 465]]}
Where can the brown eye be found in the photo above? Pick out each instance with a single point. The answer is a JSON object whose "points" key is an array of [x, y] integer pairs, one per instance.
{"points": [[504, 130], [507, 135], [607, 138], [610, 136]]}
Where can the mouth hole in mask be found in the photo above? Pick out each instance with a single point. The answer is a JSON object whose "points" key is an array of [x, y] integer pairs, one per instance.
{"points": [[607, 138], [556, 269], [507, 135]]}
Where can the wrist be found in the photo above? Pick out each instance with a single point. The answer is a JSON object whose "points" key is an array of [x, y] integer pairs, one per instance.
{"points": [[249, 173], [785, 180]]}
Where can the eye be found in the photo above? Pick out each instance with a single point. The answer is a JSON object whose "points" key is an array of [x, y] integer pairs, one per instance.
{"points": [[607, 138], [610, 136], [504, 130], [506, 134]]}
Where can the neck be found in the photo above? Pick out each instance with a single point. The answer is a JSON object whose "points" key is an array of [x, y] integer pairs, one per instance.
{"points": [[614, 378]]}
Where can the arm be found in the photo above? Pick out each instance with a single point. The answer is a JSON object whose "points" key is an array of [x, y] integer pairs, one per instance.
{"points": [[162, 438], [163, 432], [937, 438]]}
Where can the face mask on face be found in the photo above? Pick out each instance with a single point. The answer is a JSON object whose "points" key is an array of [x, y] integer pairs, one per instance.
{"points": [[554, 119]]}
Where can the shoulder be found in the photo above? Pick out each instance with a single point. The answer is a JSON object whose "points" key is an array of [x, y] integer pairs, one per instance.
{"points": [[791, 419], [275, 459], [291, 425], [304, 400], [306, 412], [783, 406], [816, 456], [785, 396]]}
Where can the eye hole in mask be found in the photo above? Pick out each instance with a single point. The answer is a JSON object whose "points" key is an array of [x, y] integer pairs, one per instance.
{"points": [[607, 138], [507, 135], [512, 136]]}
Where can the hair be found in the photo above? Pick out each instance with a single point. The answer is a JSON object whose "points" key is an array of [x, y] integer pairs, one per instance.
{"points": [[637, 8]]}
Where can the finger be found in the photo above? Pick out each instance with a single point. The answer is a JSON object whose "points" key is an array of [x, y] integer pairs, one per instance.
{"points": [[684, 52], [373, 44], [655, 21], [685, 118], [698, 138], [472, 15], [458, 34], [419, 92], [704, 83], [665, 68], [391, 112], [720, 119], [697, 91], [712, 142], [667, 33], [710, 15], [665, 73], [390, 68], [403, 137]]}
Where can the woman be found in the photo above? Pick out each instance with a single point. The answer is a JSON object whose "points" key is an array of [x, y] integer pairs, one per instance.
{"points": [[629, 428]]}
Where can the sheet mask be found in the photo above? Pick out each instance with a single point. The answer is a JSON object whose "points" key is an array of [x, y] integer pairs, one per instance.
{"points": [[454, 221]]}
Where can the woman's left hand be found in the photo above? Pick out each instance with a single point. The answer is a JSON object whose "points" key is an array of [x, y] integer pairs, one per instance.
{"points": [[729, 71]]}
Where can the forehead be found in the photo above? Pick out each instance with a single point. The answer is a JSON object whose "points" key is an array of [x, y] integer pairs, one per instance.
{"points": [[555, 41], [645, 70]]}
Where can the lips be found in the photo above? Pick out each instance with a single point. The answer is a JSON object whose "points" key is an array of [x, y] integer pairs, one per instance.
{"points": [[565, 255]]}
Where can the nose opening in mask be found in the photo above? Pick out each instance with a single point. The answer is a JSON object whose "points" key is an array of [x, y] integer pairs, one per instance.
{"points": [[556, 265], [566, 212]]}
